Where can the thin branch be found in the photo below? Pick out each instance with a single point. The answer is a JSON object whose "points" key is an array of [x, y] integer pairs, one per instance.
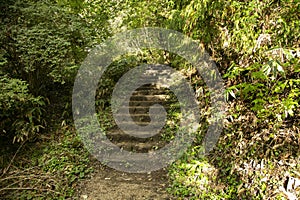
{"points": [[25, 177], [14, 183], [11, 161], [28, 188]]}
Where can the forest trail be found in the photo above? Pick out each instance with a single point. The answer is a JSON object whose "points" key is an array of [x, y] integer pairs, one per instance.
{"points": [[107, 183]]}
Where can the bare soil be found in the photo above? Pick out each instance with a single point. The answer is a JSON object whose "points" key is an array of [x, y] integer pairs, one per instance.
{"points": [[108, 184]]}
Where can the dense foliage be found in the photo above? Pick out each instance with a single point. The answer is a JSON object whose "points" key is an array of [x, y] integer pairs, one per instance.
{"points": [[254, 43], [21, 114], [257, 51]]}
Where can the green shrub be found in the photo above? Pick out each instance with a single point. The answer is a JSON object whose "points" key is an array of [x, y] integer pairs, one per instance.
{"points": [[21, 112], [256, 47], [42, 43]]}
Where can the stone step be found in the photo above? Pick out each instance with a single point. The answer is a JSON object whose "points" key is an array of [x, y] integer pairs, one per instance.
{"points": [[159, 72], [140, 126], [140, 109], [151, 92], [153, 78], [154, 98], [133, 115], [137, 109], [151, 103], [121, 159], [119, 136], [141, 117], [140, 147], [152, 86]]}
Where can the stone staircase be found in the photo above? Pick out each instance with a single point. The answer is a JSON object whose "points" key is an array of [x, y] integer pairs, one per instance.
{"points": [[141, 100]]}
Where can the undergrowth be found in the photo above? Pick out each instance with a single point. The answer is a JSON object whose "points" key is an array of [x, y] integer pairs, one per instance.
{"points": [[48, 169]]}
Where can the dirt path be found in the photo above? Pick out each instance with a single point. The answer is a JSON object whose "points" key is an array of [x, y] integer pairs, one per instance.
{"points": [[109, 184]]}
